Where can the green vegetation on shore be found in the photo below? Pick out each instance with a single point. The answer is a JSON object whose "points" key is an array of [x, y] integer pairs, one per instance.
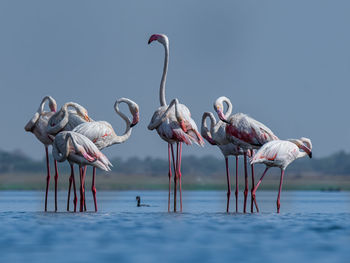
{"points": [[18, 171]]}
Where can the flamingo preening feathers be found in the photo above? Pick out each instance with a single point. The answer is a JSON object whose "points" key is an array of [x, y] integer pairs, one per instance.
{"points": [[281, 153], [38, 126]]}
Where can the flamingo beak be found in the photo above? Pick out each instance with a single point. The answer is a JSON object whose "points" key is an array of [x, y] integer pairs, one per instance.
{"points": [[152, 38], [86, 117], [310, 155], [136, 119], [51, 137], [221, 116]]}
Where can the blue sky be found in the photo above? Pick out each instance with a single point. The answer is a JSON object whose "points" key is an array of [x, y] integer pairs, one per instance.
{"points": [[285, 63]]}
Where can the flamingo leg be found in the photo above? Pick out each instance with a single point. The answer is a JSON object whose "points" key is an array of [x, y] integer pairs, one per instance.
{"points": [[180, 175], [169, 174], [75, 200], [257, 185], [279, 191], [253, 199], [48, 175], [81, 189], [56, 184], [246, 183], [236, 192], [70, 185], [175, 175], [93, 188], [84, 175], [228, 185]]}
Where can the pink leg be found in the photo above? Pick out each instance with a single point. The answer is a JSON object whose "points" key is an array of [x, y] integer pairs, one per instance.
{"points": [[70, 186], [236, 192], [175, 176], [47, 177], [279, 192], [93, 188], [253, 199], [84, 176], [180, 175], [75, 200], [56, 184], [257, 185], [81, 189], [169, 174], [228, 186], [246, 183]]}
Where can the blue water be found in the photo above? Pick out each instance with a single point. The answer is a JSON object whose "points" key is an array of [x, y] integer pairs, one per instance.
{"points": [[312, 226]]}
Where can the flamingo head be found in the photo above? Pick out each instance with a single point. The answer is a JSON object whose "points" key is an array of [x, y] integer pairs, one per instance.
{"points": [[303, 144], [52, 105], [219, 108], [161, 38], [134, 109]]}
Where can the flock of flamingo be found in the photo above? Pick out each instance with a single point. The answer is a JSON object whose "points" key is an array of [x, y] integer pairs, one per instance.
{"points": [[78, 139]]}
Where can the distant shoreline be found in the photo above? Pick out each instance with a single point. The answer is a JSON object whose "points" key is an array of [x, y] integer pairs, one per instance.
{"points": [[115, 181]]}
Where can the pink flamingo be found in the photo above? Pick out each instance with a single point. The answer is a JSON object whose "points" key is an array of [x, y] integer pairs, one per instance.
{"points": [[76, 148], [66, 119], [173, 124], [280, 154], [246, 133], [216, 136], [102, 134], [37, 125]]}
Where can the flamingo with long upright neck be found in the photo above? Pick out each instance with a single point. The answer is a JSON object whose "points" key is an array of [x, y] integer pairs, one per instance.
{"points": [[247, 133], [37, 125], [280, 154], [102, 134], [173, 124]]}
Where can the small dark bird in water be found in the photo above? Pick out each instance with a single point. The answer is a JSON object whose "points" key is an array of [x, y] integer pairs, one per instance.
{"points": [[138, 199]]}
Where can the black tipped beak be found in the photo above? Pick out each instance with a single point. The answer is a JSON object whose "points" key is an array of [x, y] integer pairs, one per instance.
{"points": [[132, 125], [149, 42], [310, 154]]}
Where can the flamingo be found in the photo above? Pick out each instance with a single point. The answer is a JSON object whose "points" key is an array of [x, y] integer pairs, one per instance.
{"points": [[216, 136], [280, 154], [66, 120], [102, 134], [246, 133], [76, 148], [176, 126], [37, 125]]}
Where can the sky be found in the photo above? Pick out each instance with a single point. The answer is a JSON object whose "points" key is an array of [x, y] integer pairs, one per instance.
{"points": [[285, 63]]}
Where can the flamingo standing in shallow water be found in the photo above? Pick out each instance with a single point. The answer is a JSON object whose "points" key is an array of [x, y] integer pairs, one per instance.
{"points": [[216, 136], [76, 148], [280, 154], [37, 125], [67, 118], [173, 124], [102, 134], [246, 133]]}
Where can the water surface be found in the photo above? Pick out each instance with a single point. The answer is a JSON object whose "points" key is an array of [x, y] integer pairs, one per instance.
{"points": [[312, 226]]}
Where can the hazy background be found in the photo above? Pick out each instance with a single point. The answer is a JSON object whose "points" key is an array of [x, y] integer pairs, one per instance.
{"points": [[285, 63]]}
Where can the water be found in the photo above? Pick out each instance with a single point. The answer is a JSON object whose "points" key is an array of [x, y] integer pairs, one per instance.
{"points": [[312, 226]]}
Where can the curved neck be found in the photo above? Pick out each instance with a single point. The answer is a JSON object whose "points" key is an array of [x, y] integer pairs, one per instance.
{"points": [[52, 104], [57, 155], [163, 81], [204, 129], [56, 128], [158, 121], [229, 107], [128, 129]]}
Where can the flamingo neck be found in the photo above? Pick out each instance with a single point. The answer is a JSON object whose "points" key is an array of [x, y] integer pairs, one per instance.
{"points": [[163, 81], [229, 106], [128, 129]]}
